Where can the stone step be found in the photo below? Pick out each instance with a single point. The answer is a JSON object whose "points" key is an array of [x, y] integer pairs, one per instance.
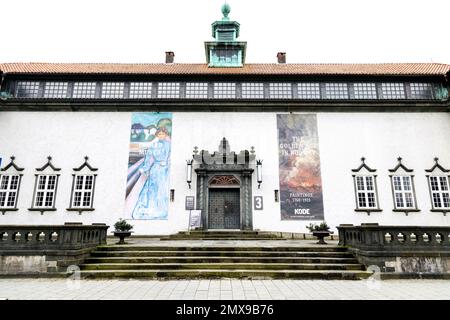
{"points": [[225, 234], [231, 231], [220, 253], [207, 247], [220, 274], [220, 238], [221, 266], [233, 259]]}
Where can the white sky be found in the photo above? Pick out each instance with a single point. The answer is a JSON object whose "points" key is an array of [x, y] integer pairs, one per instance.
{"points": [[140, 31]]}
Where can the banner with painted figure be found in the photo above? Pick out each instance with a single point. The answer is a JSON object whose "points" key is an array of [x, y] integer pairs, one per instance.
{"points": [[147, 194], [299, 161]]}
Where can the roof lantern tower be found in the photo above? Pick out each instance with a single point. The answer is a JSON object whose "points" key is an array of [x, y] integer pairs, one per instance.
{"points": [[225, 51]]}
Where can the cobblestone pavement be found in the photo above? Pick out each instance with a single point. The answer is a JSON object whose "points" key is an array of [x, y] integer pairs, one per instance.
{"points": [[61, 289]]}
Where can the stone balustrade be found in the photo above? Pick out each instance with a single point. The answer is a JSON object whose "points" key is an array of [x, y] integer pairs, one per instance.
{"points": [[47, 248], [404, 249], [68, 237], [373, 236]]}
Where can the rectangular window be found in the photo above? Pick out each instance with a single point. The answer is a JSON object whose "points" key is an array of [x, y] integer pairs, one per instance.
{"points": [[45, 191], [83, 191], [336, 91], [309, 90], [226, 57], [140, 90], [403, 192], [168, 90], [440, 193], [224, 90], [112, 90], [364, 91], [366, 192], [55, 90], [393, 90], [197, 90], [252, 90], [280, 90], [84, 90], [421, 91], [9, 189], [27, 89]]}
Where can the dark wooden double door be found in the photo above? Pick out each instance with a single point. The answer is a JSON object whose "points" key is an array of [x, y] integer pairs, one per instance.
{"points": [[224, 208]]}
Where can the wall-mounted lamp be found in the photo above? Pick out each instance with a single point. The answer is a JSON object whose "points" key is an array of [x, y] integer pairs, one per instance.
{"points": [[259, 172], [189, 172]]}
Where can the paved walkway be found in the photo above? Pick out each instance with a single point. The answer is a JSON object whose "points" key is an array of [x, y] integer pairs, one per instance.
{"points": [[60, 289]]}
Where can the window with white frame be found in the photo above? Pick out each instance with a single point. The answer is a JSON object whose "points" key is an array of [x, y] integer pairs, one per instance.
{"points": [[439, 189], [83, 191], [366, 195], [403, 192], [438, 183], [9, 190], [365, 183], [45, 191], [402, 183]]}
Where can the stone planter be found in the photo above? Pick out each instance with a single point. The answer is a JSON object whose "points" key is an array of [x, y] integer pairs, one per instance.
{"points": [[321, 235], [122, 235]]}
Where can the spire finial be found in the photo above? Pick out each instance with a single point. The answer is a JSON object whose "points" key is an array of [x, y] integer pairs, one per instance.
{"points": [[225, 10], [399, 159]]}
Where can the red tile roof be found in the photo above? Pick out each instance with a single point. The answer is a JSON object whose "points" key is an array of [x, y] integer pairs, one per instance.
{"points": [[414, 69]]}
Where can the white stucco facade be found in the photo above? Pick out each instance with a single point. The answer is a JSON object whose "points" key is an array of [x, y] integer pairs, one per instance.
{"points": [[343, 139]]}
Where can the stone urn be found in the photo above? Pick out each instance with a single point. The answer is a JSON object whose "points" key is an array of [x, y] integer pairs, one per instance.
{"points": [[320, 235], [122, 235]]}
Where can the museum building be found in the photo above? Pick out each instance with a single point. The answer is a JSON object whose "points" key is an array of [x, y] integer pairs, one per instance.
{"points": [[224, 144]]}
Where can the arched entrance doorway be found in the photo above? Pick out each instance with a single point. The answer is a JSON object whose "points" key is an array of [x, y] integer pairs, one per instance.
{"points": [[224, 188], [224, 209]]}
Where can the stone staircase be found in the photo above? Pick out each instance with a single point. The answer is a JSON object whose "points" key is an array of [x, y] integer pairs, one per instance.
{"points": [[223, 259]]}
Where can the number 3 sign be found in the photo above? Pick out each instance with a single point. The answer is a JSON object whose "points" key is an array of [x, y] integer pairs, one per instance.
{"points": [[258, 203]]}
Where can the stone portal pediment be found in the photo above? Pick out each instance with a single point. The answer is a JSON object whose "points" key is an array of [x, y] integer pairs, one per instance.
{"points": [[224, 155]]}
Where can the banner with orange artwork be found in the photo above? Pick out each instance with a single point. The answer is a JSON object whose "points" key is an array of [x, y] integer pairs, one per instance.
{"points": [[299, 163]]}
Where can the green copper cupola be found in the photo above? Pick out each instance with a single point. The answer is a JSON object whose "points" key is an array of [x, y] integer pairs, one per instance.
{"points": [[225, 51]]}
